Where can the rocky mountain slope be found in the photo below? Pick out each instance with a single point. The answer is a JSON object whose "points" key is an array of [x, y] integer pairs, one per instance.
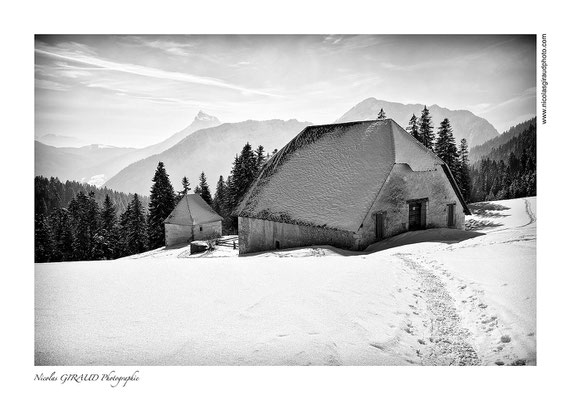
{"points": [[464, 123]]}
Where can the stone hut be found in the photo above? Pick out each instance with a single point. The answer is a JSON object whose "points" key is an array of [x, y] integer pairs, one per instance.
{"points": [[348, 185], [192, 219]]}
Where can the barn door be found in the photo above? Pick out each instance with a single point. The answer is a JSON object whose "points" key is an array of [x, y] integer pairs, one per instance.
{"points": [[380, 225], [451, 209], [414, 216]]}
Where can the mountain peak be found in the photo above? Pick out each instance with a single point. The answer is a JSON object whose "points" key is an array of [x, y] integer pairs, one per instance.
{"points": [[466, 125], [202, 116]]}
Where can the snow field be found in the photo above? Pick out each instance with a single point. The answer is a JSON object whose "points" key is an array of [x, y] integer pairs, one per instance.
{"points": [[438, 297]]}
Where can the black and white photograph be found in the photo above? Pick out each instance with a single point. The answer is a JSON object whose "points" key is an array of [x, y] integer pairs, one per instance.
{"points": [[268, 200], [285, 200]]}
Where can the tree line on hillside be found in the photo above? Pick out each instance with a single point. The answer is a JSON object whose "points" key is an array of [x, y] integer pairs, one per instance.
{"points": [[52, 194], [72, 223], [84, 228], [508, 171], [484, 149], [87, 230]]}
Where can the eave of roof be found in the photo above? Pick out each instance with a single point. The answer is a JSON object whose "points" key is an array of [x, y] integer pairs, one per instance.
{"points": [[456, 188]]}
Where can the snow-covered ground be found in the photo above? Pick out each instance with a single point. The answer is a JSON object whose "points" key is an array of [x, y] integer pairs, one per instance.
{"points": [[435, 297]]}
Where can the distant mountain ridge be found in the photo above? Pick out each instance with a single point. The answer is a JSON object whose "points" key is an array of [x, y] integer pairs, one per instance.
{"points": [[483, 150], [211, 150], [465, 124], [96, 163], [60, 141], [75, 163]]}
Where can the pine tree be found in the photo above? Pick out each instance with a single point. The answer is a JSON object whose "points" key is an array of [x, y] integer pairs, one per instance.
{"points": [[218, 204], [260, 157], [229, 223], [162, 202], [84, 212], [136, 227], [185, 189], [442, 144], [108, 215], [445, 148], [43, 242], [426, 129], [382, 116], [197, 189], [123, 242], [108, 231], [60, 223], [243, 174], [464, 170], [204, 189], [413, 128]]}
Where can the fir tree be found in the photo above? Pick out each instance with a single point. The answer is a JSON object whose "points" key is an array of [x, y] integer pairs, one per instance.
{"points": [[123, 242], [162, 202], [260, 158], [445, 147], [244, 172], [185, 189], [204, 189], [197, 189], [382, 116], [185, 184], [136, 227], [425, 129], [60, 223], [413, 129], [108, 215], [464, 170], [228, 222], [218, 204], [84, 212], [442, 144], [43, 241], [108, 231]]}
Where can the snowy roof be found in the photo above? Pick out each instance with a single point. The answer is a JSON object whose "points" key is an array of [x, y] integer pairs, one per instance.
{"points": [[192, 210], [329, 175]]}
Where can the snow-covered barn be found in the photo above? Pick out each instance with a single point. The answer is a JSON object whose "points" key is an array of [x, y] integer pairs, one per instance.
{"points": [[348, 185], [192, 219]]}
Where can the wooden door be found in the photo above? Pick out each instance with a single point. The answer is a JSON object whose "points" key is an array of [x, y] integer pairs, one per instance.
{"points": [[414, 216], [380, 225], [451, 212]]}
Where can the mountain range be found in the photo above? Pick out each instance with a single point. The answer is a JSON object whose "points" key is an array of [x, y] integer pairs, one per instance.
{"points": [[211, 150], [206, 145], [478, 152], [60, 141], [465, 124], [95, 164]]}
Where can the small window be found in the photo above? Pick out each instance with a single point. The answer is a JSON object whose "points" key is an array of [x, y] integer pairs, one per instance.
{"points": [[201, 228], [277, 244]]}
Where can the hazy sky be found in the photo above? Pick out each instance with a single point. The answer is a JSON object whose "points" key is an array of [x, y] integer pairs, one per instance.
{"points": [[138, 90]]}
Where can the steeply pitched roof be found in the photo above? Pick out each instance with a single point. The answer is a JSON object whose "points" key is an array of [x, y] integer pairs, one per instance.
{"points": [[192, 210], [322, 177]]}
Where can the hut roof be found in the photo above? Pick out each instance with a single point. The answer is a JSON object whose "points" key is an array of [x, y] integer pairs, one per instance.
{"points": [[329, 175], [192, 210]]}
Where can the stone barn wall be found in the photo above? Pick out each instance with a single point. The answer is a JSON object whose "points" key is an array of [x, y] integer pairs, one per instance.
{"points": [[210, 230], [260, 235], [177, 234], [404, 184]]}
